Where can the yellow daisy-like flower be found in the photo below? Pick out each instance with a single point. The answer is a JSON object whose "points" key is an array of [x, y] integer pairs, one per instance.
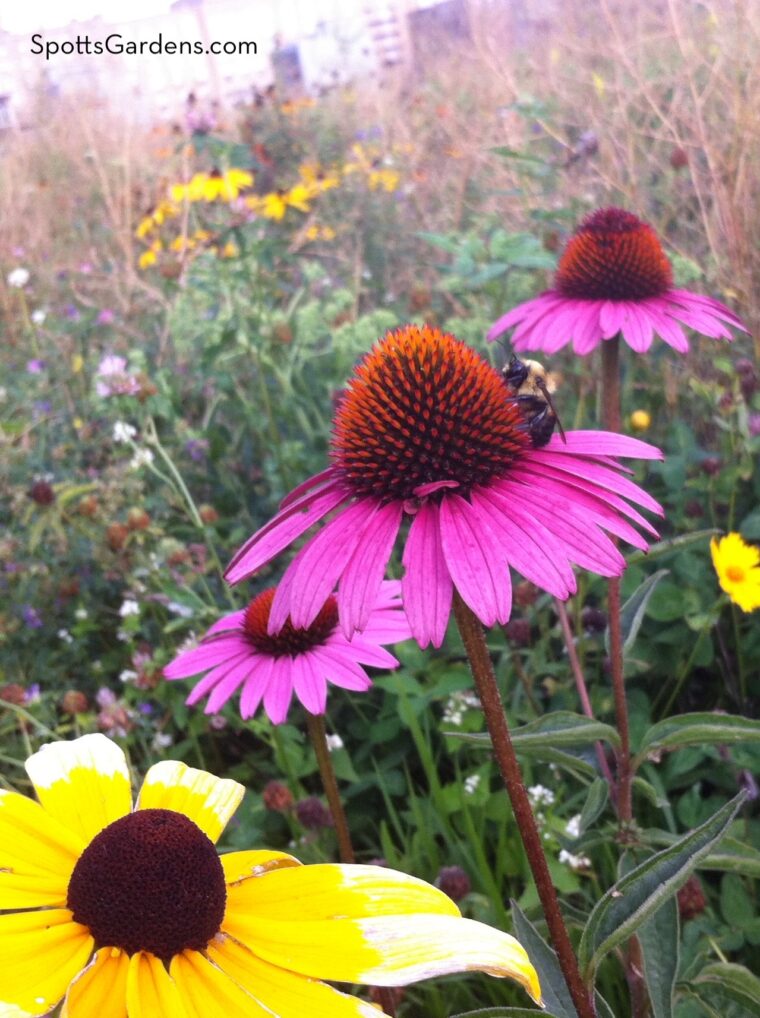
{"points": [[738, 567], [273, 205], [298, 197], [225, 186], [132, 913]]}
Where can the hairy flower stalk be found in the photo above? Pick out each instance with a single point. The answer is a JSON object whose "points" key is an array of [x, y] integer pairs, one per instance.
{"points": [[316, 726], [476, 648]]}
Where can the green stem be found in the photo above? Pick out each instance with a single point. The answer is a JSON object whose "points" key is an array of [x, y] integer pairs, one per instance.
{"points": [[475, 645], [739, 659]]}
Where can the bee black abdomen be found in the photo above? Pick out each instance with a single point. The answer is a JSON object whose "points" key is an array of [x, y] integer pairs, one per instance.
{"points": [[539, 418]]}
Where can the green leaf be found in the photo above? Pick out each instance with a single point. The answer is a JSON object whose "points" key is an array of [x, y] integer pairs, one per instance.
{"points": [[507, 1012], [634, 609], [735, 976], [562, 728], [660, 938], [731, 855], [671, 544], [553, 986], [596, 800], [726, 991], [511, 153], [698, 729], [639, 894]]}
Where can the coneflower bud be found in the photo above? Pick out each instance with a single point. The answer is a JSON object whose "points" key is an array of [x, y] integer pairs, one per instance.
{"points": [[691, 899], [42, 493], [453, 880], [74, 702], [277, 797], [313, 814], [117, 535]]}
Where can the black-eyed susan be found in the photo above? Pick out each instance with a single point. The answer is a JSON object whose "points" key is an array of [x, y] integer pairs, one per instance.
{"points": [[738, 567], [132, 913]]}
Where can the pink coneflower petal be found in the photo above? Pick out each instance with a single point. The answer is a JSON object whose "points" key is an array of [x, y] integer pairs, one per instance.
{"points": [[602, 476], [637, 329], [360, 582], [231, 621], [279, 692], [216, 675], [533, 550], [587, 334], [612, 316], [323, 560], [321, 480], [279, 533], [342, 670], [671, 332], [603, 443], [426, 586], [309, 684], [255, 688], [588, 546], [229, 685], [208, 654], [474, 560], [365, 652]]}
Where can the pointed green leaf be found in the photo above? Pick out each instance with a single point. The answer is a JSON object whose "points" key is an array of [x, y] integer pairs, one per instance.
{"points": [[553, 986], [698, 729], [596, 800], [660, 945], [562, 728], [634, 609], [639, 894], [731, 855]]}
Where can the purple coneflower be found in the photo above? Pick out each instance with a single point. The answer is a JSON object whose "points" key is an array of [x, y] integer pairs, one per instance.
{"points": [[240, 651], [613, 277], [427, 433]]}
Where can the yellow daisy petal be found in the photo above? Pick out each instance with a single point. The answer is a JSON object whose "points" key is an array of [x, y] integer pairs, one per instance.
{"points": [[151, 990], [285, 994], [37, 854], [328, 891], [101, 989], [41, 952], [84, 783], [244, 865], [205, 990], [208, 801], [737, 565], [386, 950]]}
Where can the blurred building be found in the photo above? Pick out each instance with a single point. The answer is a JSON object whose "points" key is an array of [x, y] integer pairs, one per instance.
{"points": [[308, 45]]}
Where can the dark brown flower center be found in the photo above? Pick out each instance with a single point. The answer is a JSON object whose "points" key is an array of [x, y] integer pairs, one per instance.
{"points": [[151, 881], [421, 408], [613, 256], [289, 640]]}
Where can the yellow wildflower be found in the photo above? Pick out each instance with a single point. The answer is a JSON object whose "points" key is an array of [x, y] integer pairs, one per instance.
{"points": [[640, 420], [115, 909], [738, 567], [383, 178], [298, 197], [145, 226], [225, 186], [274, 205], [229, 250], [77, 363]]}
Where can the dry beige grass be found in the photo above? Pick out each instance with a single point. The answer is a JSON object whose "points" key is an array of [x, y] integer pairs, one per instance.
{"points": [[658, 84]]}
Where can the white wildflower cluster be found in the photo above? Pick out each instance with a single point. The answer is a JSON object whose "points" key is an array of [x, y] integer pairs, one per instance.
{"points": [[65, 635], [80, 614], [471, 784], [456, 705], [17, 278], [183, 610], [334, 742], [127, 675], [539, 795], [129, 607], [38, 316], [123, 432], [161, 740], [575, 862], [142, 458], [573, 827]]}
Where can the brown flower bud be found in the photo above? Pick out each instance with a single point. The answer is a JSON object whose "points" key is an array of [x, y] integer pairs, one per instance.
{"points": [[525, 594], [517, 631], [137, 519], [453, 880], [74, 702], [678, 158], [13, 693], [208, 514], [88, 506], [691, 899], [313, 814], [42, 493], [117, 535], [277, 797]]}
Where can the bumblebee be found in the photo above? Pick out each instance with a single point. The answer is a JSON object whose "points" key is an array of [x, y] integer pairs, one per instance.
{"points": [[532, 386]]}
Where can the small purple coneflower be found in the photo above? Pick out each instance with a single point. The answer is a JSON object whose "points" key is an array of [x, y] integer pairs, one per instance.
{"points": [[427, 433], [240, 651], [613, 277]]}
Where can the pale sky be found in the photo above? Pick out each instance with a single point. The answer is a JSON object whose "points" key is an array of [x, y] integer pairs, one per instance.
{"points": [[49, 14]]}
